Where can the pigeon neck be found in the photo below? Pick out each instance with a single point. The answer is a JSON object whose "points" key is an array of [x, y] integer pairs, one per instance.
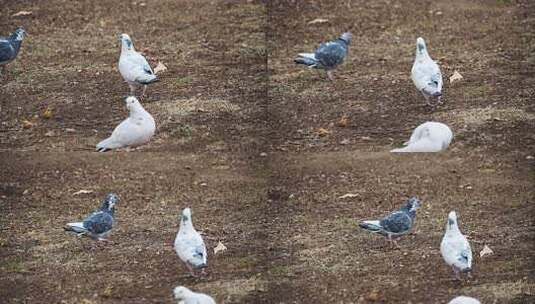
{"points": [[421, 53], [186, 224], [16, 44], [126, 49], [108, 210], [344, 42], [137, 110], [453, 227]]}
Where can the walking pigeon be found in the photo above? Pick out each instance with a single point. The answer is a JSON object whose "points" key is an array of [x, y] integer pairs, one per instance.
{"points": [[189, 244], [136, 130], [455, 248], [10, 46], [397, 223], [99, 224], [428, 137], [328, 56], [426, 74], [464, 300], [186, 296], [134, 68]]}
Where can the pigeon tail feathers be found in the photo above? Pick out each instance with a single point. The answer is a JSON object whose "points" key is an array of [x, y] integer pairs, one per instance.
{"points": [[308, 59], [75, 227], [373, 226]]}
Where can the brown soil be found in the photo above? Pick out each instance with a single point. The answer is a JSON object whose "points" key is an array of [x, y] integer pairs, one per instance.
{"points": [[239, 141]]}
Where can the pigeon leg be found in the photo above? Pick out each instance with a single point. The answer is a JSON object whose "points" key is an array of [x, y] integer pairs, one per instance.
{"points": [[457, 273], [439, 101], [132, 89], [203, 271], [144, 90], [330, 75], [190, 269]]}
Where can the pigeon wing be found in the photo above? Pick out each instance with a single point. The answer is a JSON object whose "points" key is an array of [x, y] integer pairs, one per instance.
{"points": [[397, 222], [6, 50], [99, 222], [330, 54]]}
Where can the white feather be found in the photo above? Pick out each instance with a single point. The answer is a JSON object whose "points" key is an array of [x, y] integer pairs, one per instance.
{"points": [[77, 227], [464, 300], [132, 65], [307, 55], [188, 242], [136, 130], [428, 137], [424, 70], [186, 296], [454, 244]]}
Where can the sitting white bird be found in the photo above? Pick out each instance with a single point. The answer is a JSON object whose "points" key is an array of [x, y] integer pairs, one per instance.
{"points": [[464, 300], [189, 245], [428, 137], [136, 130], [186, 296], [455, 248], [134, 68], [426, 74]]}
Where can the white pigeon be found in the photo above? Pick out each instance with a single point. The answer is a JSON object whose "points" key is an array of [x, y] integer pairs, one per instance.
{"points": [[426, 73], [136, 130], [189, 244], [134, 68], [186, 296], [455, 248], [428, 137], [464, 300]]}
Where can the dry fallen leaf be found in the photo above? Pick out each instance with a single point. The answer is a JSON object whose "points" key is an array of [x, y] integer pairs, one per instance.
{"points": [[343, 122], [26, 124], [82, 192], [318, 21], [456, 77], [49, 133], [323, 132], [486, 251], [22, 13], [348, 195], [47, 114], [220, 247], [373, 296], [160, 67]]}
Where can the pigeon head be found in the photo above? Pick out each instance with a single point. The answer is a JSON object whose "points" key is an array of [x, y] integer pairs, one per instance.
{"points": [[420, 46], [413, 204], [132, 103], [126, 42], [346, 37], [186, 215], [452, 219], [19, 34], [110, 201], [181, 292]]}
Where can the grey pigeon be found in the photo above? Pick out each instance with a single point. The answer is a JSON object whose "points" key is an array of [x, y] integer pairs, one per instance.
{"points": [[426, 74], [397, 223], [10, 46], [186, 296], [328, 56], [99, 224], [134, 68], [189, 244], [455, 248]]}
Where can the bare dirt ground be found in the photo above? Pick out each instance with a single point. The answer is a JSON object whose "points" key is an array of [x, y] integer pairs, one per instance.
{"points": [[239, 141]]}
